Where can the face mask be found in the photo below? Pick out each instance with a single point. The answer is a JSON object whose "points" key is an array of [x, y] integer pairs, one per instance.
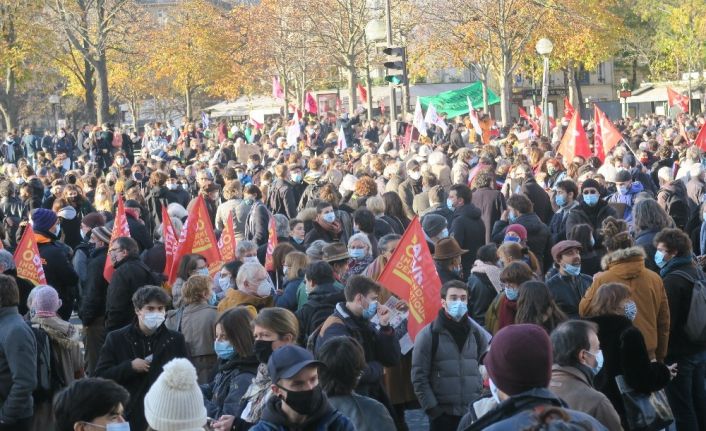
{"points": [[560, 200], [659, 259], [172, 186], [185, 186], [591, 200], [305, 402], [153, 320], [265, 288], [494, 391], [213, 300], [572, 269], [248, 201], [61, 134], [551, 170], [224, 283], [329, 217], [251, 166], [250, 259], [285, 269], [593, 241], [630, 310], [19, 181], [599, 361], [456, 309], [298, 240], [240, 175], [83, 235], [450, 204], [444, 234], [511, 217], [512, 293], [372, 309], [623, 190], [117, 426], [223, 349], [263, 350], [201, 271], [58, 230], [121, 162], [415, 175], [356, 253], [511, 238], [297, 178]]}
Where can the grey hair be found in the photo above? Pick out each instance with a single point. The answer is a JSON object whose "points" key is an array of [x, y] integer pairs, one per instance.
{"points": [[387, 239], [376, 204], [362, 238], [316, 249], [248, 271], [244, 246], [6, 260], [33, 292], [176, 224], [282, 225], [647, 215]]}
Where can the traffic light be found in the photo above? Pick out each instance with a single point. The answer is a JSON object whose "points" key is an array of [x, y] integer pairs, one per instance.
{"points": [[396, 65]]}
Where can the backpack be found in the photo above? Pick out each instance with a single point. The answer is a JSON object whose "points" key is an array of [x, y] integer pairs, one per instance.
{"points": [[117, 140], [48, 378], [311, 340], [695, 326]]}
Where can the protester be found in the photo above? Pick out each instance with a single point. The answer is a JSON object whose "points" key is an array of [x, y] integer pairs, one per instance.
{"points": [[569, 284], [322, 299], [484, 283], [466, 226], [190, 264], [520, 210], [503, 309], [535, 305], [91, 402], [254, 289]]}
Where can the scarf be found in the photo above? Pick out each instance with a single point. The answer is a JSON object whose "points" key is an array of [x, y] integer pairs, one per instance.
{"points": [[492, 271], [506, 312], [675, 262], [257, 394], [459, 330]]}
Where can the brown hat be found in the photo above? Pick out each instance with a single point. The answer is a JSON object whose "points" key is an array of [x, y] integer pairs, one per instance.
{"points": [[93, 220], [448, 248], [335, 251], [102, 233], [563, 246]]}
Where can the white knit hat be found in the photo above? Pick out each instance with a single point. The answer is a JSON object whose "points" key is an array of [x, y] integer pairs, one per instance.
{"points": [[174, 402]]}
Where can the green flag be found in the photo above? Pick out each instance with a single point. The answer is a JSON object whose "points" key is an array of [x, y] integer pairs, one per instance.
{"points": [[455, 102]]}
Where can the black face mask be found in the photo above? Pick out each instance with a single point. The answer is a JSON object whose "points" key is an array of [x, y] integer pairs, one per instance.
{"points": [[305, 402], [263, 350]]}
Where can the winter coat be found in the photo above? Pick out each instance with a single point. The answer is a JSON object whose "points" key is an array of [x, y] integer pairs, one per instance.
{"points": [[447, 275], [449, 379], [365, 413], [695, 190], [281, 198], [95, 289], [679, 292], [443, 175], [625, 354], [459, 172], [517, 413], [256, 223], [481, 293], [540, 200], [198, 325], [129, 275], [138, 232], [567, 291], [407, 190], [318, 232], [224, 209], [222, 396], [441, 210], [491, 204], [468, 230], [326, 418], [572, 385], [646, 289], [538, 236], [65, 346], [58, 270], [644, 238], [557, 225], [420, 202], [628, 200], [156, 198], [18, 366], [235, 298], [128, 343], [320, 305], [672, 197], [288, 298]]}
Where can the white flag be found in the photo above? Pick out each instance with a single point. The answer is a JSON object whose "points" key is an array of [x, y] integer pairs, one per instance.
{"points": [[474, 117], [293, 132], [433, 118], [419, 119], [341, 144]]}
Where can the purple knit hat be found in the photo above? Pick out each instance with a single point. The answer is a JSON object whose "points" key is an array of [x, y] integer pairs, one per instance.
{"points": [[45, 301]]}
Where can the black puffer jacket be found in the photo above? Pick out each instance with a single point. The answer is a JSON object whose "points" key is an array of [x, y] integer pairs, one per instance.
{"points": [[679, 291], [60, 274], [320, 305], [469, 231], [95, 288], [538, 235], [222, 396], [130, 274], [590, 215]]}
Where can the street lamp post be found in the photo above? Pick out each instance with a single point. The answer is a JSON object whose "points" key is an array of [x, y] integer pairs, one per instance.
{"points": [[544, 48], [54, 102], [624, 93], [393, 97]]}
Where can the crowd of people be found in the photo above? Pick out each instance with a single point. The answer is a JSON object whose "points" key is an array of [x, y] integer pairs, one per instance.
{"points": [[561, 280]]}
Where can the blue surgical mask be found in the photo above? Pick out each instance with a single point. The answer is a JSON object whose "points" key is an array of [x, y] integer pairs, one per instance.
{"points": [[659, 259], [511, 238], [560, 200], [630, 310], [356, 253], [456, 309], [512, 293], [591, 200], [511, 217], [623, 190], [201, 271], [572, 269], [599, 361], [450, 204], [329, 217], [298, 240], [213, 300], [223, 349], [297, 178], [372, 309], [593, 241], [444, 234]]}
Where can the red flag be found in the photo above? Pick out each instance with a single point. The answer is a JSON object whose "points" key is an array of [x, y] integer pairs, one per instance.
{"points": [[674, 98], [339, 104], [170, 240], [310, 104], [574, 142], [568, 109], [381, 104], [271, 243], [197, 237], [411, 275], [120, 228], [701, 138], [606, 133], [410, 134], [27, 259], [534, 124], [277, 92], [362, 93], [227, 243]]}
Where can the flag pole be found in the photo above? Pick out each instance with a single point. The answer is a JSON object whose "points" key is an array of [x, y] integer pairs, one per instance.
{"points": [[628, 147]]}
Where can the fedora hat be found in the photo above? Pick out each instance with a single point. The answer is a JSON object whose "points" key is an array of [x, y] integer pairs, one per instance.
{"points": [[334, 252], [448, 248]]}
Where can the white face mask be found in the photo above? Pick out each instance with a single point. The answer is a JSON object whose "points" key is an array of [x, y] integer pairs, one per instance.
{"points": [[265, 288], [494, 391], [153, 320], [250, 259]]}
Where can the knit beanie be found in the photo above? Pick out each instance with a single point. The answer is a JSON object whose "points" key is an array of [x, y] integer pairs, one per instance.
{"points": [[519, 230], [43, 219], [433, 224], [174, 402], [520, 359], [102, 233], [45, 301]]}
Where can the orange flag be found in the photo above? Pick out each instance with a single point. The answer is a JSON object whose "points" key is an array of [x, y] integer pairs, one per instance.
{"points": [[27, 259], [607, 135], [170, 240], [197, 237], [676, 98], [227, 243], [120, 228], [568, 109], [574, 142], [701, 138], [411, 274], [271, 243]]}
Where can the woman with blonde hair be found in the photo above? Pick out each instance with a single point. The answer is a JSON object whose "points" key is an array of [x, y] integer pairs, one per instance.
{"points": [[295, 264], [515, 252]]}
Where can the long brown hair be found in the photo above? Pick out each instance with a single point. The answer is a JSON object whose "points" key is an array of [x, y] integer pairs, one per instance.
{"points": [[607, 299], [237, 324], [535, 305]]}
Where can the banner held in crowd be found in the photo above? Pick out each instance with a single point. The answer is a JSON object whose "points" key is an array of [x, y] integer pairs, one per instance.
{"points": [[170, 240], [227, 243], [27, 258], [271, 243], [120, 229], [574, 142]]}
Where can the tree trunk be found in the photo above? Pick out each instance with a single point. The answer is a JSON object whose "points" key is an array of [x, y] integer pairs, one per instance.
{"points": [[484, 86], [285, 90], [89, 91], [505, 88], [8, 102], [352, 80], [571, 84], [634, 74], [103, 113], [187, 99], [579, 94]]}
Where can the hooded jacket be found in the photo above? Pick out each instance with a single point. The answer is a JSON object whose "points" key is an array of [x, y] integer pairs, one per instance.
{"points": [[468, 230], [326, 418], [646, 289], [320, 305]]}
